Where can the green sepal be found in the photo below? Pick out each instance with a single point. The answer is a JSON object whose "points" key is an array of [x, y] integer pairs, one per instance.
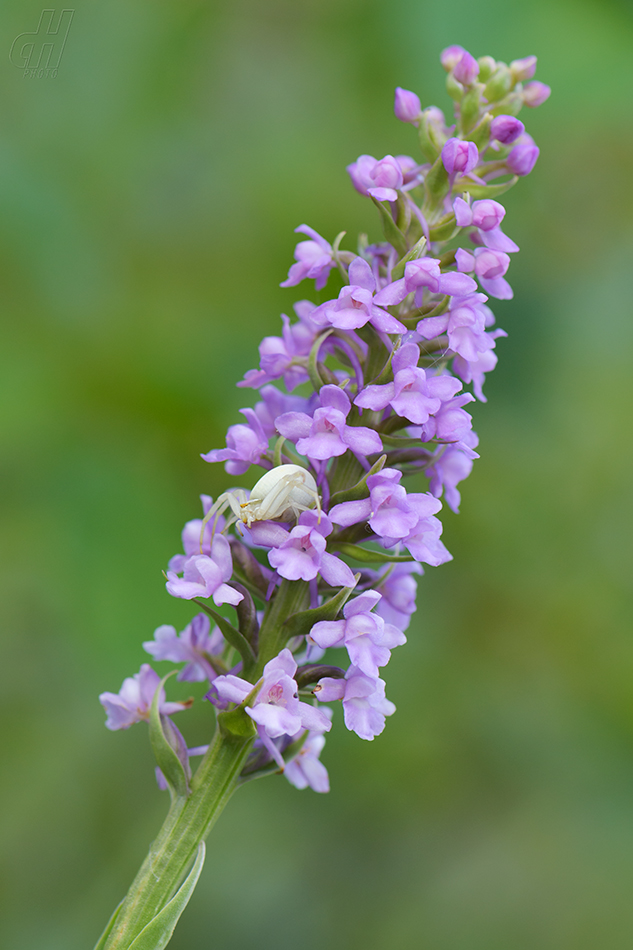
{"points": [[439, 308], [237, 722], [444, 229], [367, 555], [159, 931], [480, 135], [359, 490], [416, 251], [390, 229], [454, 88], [401, 442], [428, 146], [101, 942], [279, 444], [166, 756], [511, 105], [469, 108], [499, 84], [436, 183], [313, 368], [483, 191], [237, 640], [302, 623]]}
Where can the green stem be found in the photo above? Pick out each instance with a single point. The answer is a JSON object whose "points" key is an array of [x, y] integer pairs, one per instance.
{"points": [[187, 824]]}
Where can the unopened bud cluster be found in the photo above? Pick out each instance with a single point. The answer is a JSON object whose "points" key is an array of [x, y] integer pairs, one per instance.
{"points": [[320, 559]]}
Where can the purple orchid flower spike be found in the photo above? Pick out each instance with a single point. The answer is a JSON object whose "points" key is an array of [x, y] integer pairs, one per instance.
{"points": [[134, 700], [355, 305], [314, 259], [327, 435], [409, 331]]}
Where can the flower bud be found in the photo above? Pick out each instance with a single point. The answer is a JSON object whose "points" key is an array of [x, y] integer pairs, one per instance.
{"points": [[487, 66], [535, 94], [506, 129], [459, 157], [407, 106], [466, 69], [450, 57], [522, 159], [522, 69], [487, 214], [387, 173], [499, 83]]}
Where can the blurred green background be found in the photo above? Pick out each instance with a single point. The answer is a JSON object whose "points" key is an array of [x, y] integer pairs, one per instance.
{"points": [[147, 199]]}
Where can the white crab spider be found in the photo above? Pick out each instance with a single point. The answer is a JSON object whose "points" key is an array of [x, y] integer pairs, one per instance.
{"points": [[282, 494]]}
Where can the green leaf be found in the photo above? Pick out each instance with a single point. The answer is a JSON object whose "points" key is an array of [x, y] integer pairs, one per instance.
{"points": [[158, 932], [101, 942], [436, 183], [483, 191], [232, 636], [359, 490], [416, 251], [401, 442], [279, 444], [164, 752], [367, 555], [390, 229], [313, 369], [444, 229], [237, 722], [301, 623]]}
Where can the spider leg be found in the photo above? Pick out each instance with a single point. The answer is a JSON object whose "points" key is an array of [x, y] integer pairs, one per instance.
{"points": [[220, 505]]}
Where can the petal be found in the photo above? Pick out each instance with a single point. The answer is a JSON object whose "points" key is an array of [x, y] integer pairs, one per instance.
{"points": [[329, 633], [350, 512], [334, 397], [362, 604], [293, 425], [314, 719], [360, 274], [335, 572], [362, 440], [457, 284], [375, 397], [392, 294]]}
